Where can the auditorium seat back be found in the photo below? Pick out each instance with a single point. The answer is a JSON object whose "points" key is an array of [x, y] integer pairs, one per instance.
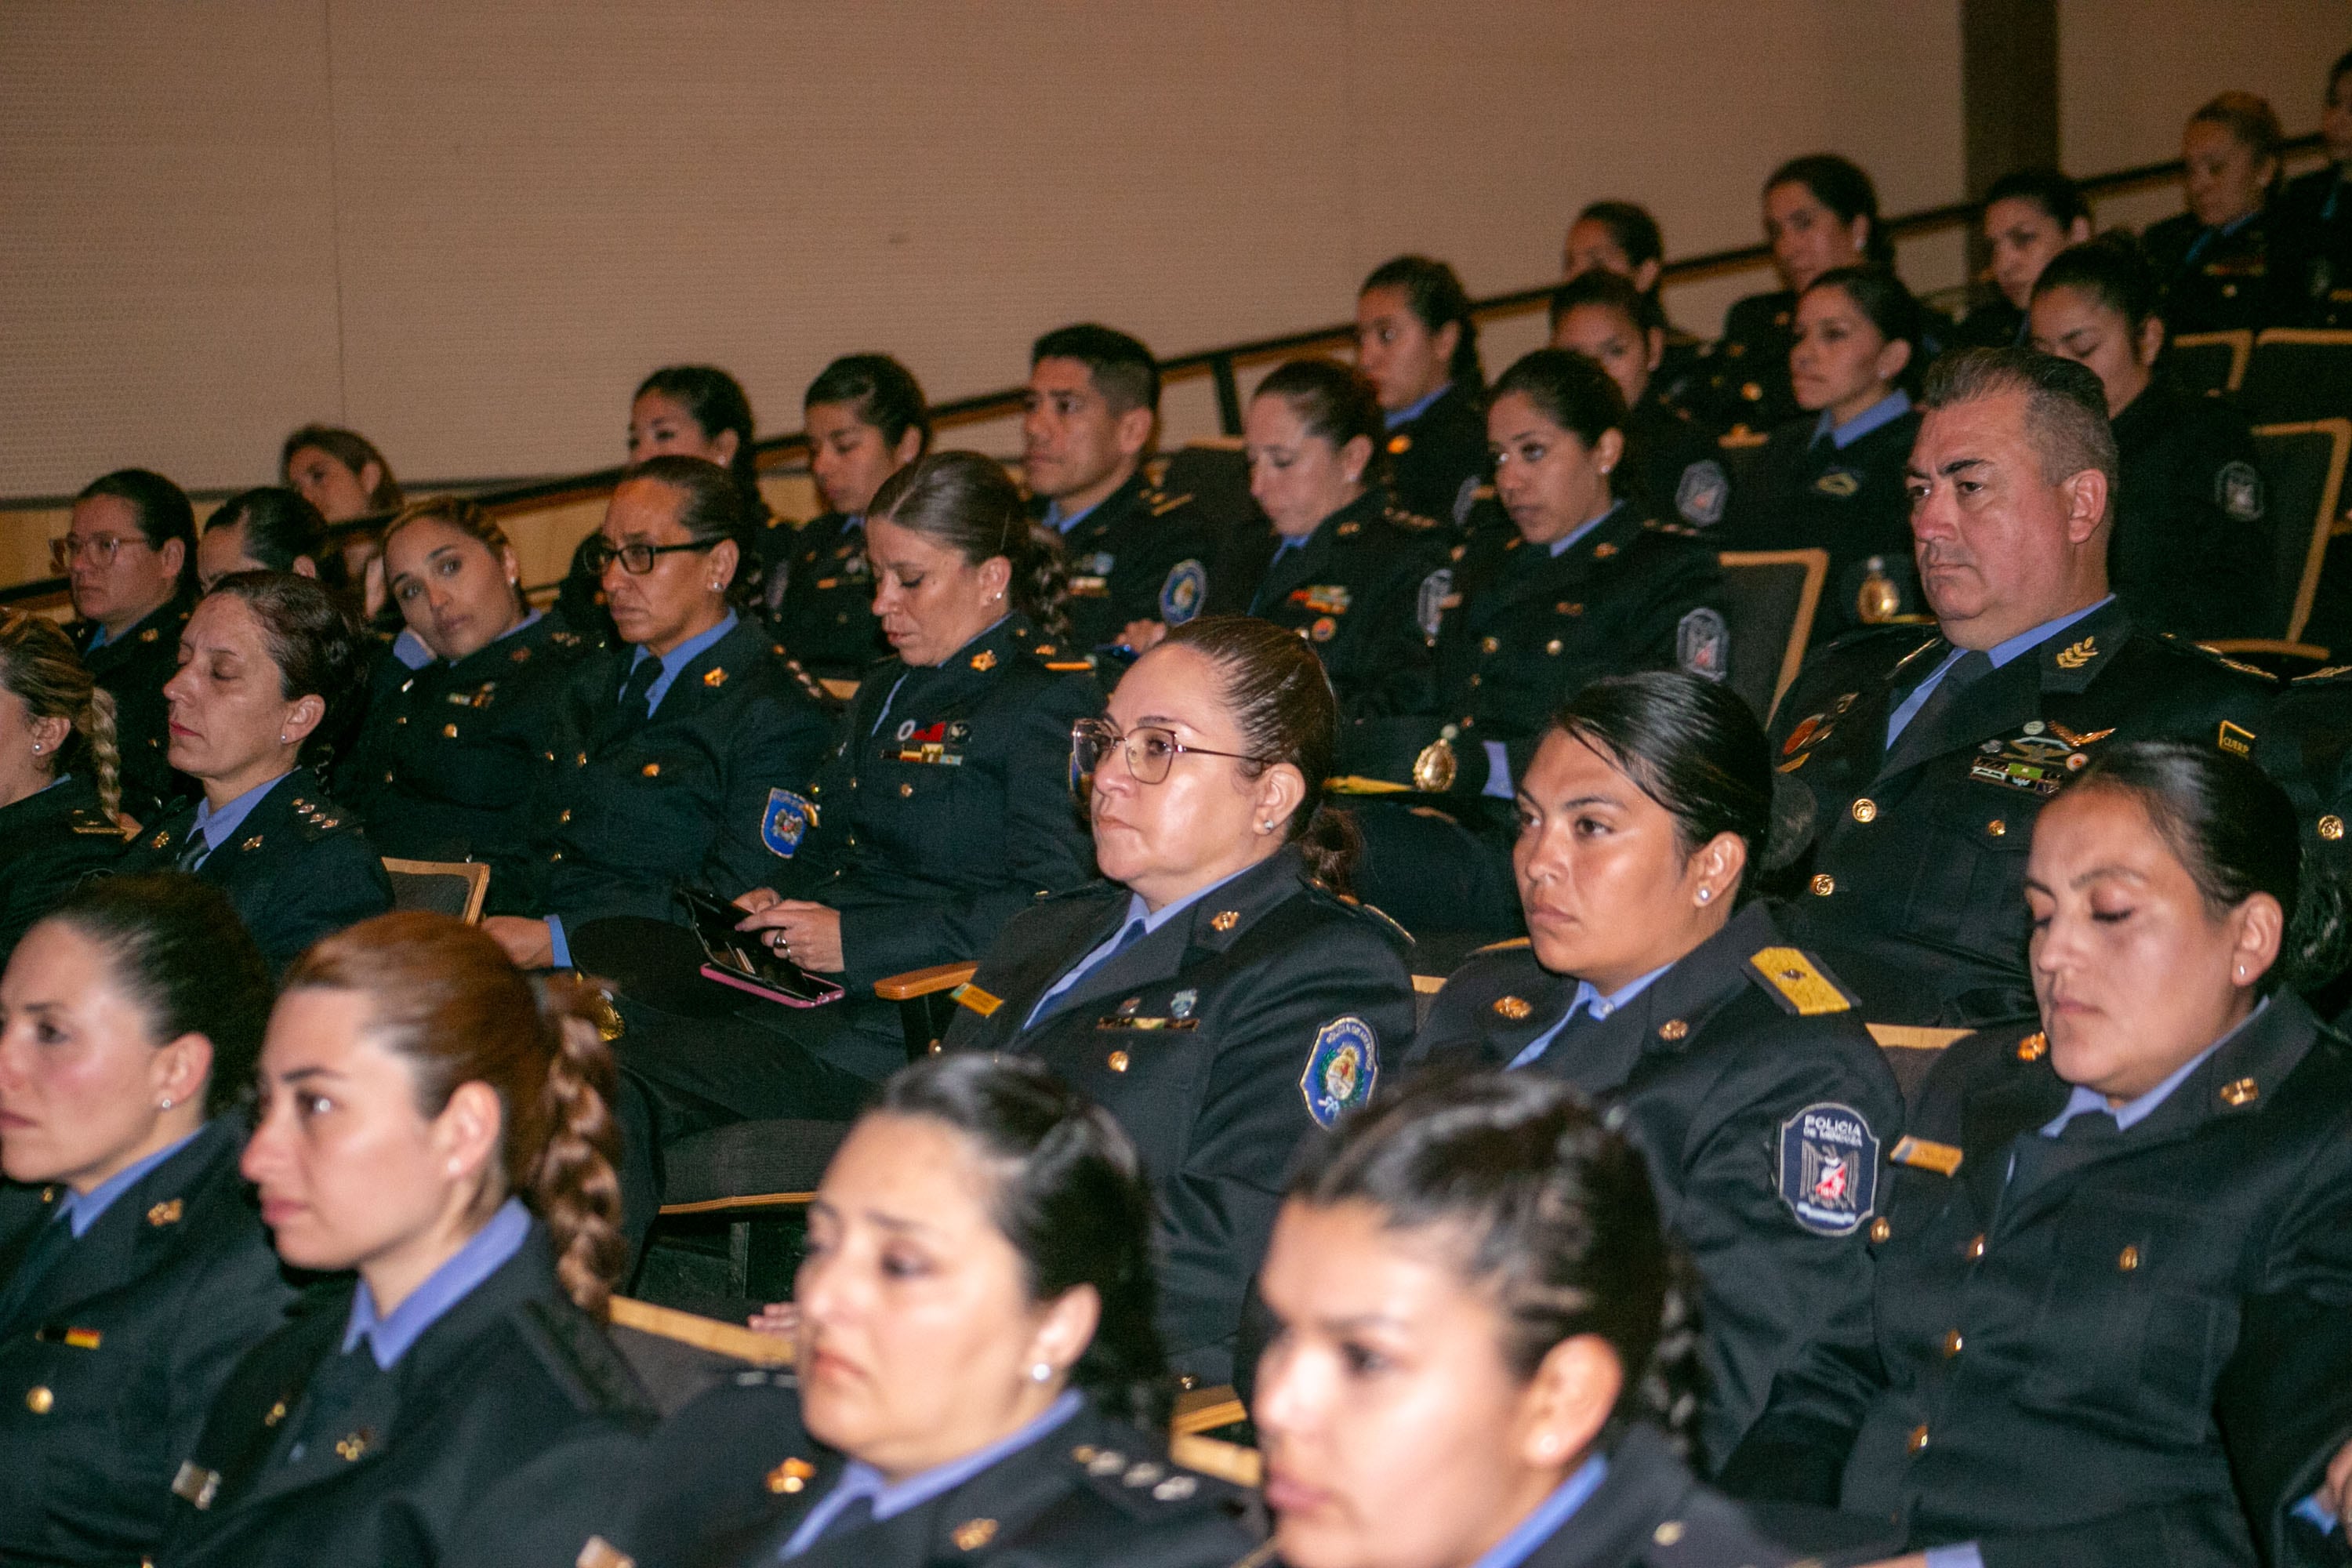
{"points": [[439, 886], [2210, 363], [2302, 467], [2298, 373], [1772, 595]]}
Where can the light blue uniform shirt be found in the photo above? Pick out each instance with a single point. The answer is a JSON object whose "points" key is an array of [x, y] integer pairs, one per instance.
{"points": [[1586, 1000], [81, 1210], [1883, 411], [485, 1253], [1548, 1519], [1135, 911], [1407, 415], [2001, 653], [861, 1479], [217, 828]]}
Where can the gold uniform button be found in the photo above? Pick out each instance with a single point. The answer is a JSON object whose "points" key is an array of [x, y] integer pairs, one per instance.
{"points": [[1918, 1439], [1952, 1342], [1119, 1061], [1824, 885], [1880, 1229], [1667, 1532], [905, 790], [565, 818], [2128, 1260], [1975, 1250], [1488, 644], [1553, 647], [39, 1400], [581, 760], [1997, 828], [1865, 810], [448, 732], [2331, 827]]}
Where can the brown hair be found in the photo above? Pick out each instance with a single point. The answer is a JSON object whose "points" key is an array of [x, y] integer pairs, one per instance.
{"points": [[1282, 703], [468, 518], [38, 662], [444, 998], [969, 504], [2249, 117], [353, 450], [317, 648]]}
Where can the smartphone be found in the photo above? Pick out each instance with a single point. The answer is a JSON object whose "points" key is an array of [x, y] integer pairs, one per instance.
{"points": [[742, 960]]}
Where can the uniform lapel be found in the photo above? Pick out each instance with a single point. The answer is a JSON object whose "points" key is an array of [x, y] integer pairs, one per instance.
{"points": [[1990, 1119], [135, 1234], [1211, 924]]}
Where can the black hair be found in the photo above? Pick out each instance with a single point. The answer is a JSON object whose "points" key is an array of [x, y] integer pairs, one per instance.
{"points": [[882, 393], [2337, 71], [2249, 117], [1070, 1197], [1555, 1213], [710, 511], [2109, 270], [714, 400], [1569, 389], [1609, 290], [280, 528], [2060, 198], [179, 951], [969, 503], [1631, 228], [353, 452], [2065, 407], [1335, 401], [160, 507], [1839, 185], [1438, 300], [1890, 307], [1122, 369], [2234, 831], [1281, 701], [318, 650], [1694, 746]]}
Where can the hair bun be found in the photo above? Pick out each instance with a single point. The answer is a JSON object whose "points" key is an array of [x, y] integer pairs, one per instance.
{"points": [[1794, 814]]}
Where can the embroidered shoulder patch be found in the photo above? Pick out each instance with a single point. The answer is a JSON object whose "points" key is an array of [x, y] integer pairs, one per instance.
{"points": [[1829, 1168], [1340, 1070], [786, 821], [1181, 594], [1701, 496], [1430, 607]]}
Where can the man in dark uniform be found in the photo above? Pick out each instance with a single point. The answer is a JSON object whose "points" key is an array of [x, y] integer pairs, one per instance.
{"points": [[129, 556], [1135, 556], [1930, 753]]}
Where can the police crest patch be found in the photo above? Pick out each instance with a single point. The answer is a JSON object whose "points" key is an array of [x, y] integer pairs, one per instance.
{"points": [[1181, 594], [1340, 1070], [2238, 491], [1705, 490], [786, 822], [1429, 608], [1703, 644], [1829, 1168]]}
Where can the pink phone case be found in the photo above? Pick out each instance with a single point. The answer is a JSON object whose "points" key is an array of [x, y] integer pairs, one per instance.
{"points": [[712, 971]]}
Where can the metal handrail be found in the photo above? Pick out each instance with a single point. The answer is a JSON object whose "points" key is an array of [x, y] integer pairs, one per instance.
{"points": [[1221, 362]]}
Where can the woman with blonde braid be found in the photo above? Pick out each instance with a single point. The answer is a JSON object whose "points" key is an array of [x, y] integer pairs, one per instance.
{"points": [[438, 1123], [60, 776]]}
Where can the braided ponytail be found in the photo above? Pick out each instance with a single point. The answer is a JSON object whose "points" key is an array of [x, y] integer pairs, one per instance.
{"points": [[575, 1184], [38, 664], [444, 998], [96, 724]]}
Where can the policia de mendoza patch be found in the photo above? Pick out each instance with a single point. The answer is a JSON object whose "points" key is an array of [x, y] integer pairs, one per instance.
{"points": [[1829, 1168]]}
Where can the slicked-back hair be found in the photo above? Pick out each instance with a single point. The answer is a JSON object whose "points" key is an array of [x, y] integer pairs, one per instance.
{"points": [[2066, 407], [1123, 370]]}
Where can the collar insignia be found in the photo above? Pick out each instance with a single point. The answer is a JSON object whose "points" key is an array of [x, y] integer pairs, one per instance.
{"points": [[790, 1475], [1515, 1009], [164, 1213], [2241, 1093], [2077, 656], [714, 678], [984, 660], [974, 1533], [1225, 920]]}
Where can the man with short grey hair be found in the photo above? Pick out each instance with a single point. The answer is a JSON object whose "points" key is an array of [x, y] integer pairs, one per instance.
{"points": [[1930, 750]]}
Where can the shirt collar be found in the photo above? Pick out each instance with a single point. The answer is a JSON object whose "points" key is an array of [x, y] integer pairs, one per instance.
{"points": [[1549, 1516], [218, 826], [2026, 641], [1062, 521], [974, 641], [1885, 411], [485, 1253], [1562, 546], [862, 1479], [1153, 920], [1407, 415], [854, 521], [410, 650], [81, 1209], [1588, 998], [2133, 1112], [527, 621], [674, 661]]}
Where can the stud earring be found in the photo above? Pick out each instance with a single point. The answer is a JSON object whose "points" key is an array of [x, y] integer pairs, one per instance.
{"points": [[1705, 894], [282, 739], [1042, 1373], [165, 1104], [36, 748]]}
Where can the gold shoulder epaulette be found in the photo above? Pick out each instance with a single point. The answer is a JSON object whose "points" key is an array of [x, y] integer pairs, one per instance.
{"points": [[1798, 984], [1502, 946], [1163, 505]]}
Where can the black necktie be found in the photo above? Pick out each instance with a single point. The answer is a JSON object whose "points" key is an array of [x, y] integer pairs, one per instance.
{"points": [[1068, 994], [2084, 1139], [636, 708], [855, 1514], [1923, 737], [334, 1388], [192, 854], [49, 1246]]}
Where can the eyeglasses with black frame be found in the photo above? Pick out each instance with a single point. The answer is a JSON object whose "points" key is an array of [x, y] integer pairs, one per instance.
{"points": [[1151, 751], [637, 559]]}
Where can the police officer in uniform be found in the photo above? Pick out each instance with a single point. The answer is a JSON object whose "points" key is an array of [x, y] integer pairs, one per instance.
{"points": [[2311, 221], [1622, 238], [60, 792], [1582, 585], [1417, 340], [129, 559], [673, 741], [2193, 545], [2030, 215], [1928, 785], [451, 754], [1337, 561], [1137, 558], [1744, 1070], [866, 419], [1821, 212], [2212, 261], [271, 674], [1217, 995], [1673, 466], [1833, 479], [2112, 1264], [133, 1267]]}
